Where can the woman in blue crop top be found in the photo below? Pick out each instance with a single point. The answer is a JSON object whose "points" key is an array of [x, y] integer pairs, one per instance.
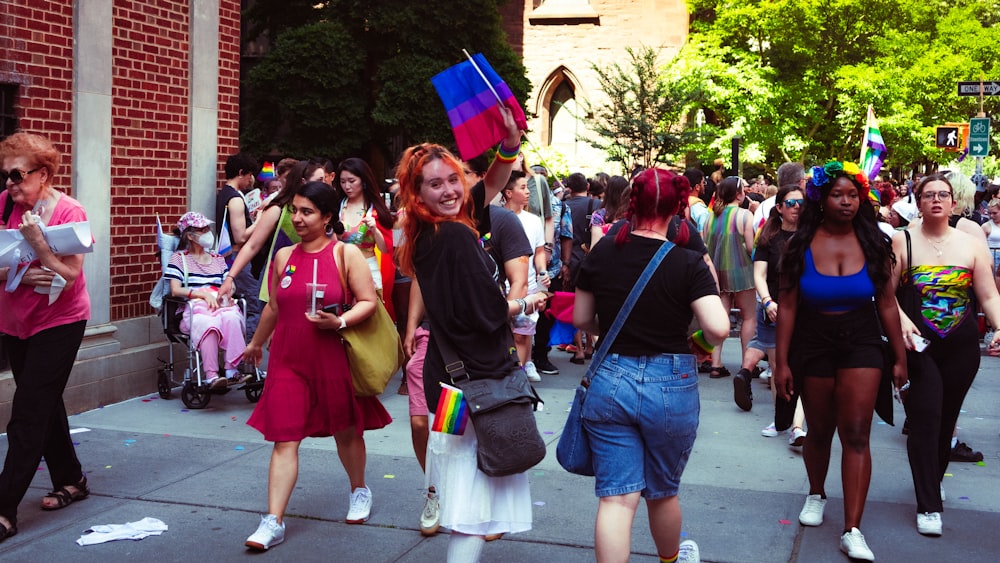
{"points": [[835, 294], [945, 273]]}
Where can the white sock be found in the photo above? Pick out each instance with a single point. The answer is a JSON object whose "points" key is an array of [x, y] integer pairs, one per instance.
{"points": [[463, 548]]}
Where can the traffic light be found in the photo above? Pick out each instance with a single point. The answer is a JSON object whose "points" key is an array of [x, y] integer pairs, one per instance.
{"points": [[947, 138]]}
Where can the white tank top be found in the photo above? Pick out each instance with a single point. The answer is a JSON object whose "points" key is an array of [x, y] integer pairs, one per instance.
{"points": [[993, 240]]}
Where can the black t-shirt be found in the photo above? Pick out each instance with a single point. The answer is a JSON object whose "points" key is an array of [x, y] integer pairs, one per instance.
{"points": [[659, 321], [506, 239], [771, 252], [695, 242], [479, 211], [580, 208], [463, 305]]}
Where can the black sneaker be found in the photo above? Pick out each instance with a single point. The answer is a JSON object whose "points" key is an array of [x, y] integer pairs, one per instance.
{"points": [[705, 366], [742, 393], [545, 367], [962, 452]]}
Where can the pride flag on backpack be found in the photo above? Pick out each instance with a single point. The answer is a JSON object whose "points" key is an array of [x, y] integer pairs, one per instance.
{"points": [[470, 92], [452, 412]]}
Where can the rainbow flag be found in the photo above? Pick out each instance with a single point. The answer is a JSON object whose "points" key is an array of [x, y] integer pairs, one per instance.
{"points": [[267, 172], [452, 412], [470, 92], [872, 148]]}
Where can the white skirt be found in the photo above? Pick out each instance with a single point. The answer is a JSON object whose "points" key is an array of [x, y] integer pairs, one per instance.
{"points": [[471, 502]]}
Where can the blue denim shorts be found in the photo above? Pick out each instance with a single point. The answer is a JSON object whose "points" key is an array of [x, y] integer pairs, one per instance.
{"points": [[641, 416], [764, 338]]}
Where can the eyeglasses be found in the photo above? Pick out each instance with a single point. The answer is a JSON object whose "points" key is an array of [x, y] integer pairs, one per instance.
{"points": [[935, 196], [794, 202], [16, 176]]}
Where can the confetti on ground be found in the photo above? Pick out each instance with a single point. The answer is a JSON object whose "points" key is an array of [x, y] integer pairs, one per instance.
{"points": [[146, 400], [549, 432], [948, 475], [107, 467], [981, 463], [39, 469], [233, 417], [388, 476], [184, 410], [784, 522], [239, 448], [538, 473], [963, 498], [79, 430], [76, 443], [129, 442], [538, 503], [167, 435], [684, 534], [882, 422]]}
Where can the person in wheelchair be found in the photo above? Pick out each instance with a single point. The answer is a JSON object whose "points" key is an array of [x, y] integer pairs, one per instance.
{"points": [[211, 319]]}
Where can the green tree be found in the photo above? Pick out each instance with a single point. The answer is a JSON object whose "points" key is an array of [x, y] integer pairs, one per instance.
{"points": [[795, 77], [641, 120], [370, 63]]}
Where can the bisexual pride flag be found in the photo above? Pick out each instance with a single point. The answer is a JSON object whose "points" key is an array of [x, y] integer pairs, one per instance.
{"points": [[452, 412], [470, 92]]}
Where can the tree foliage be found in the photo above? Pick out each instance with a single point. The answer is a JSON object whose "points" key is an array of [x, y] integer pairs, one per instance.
{"points": [[349, 77], [795, 77], [640, 122]]}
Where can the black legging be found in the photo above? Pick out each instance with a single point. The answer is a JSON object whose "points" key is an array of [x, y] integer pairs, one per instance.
{"points": [[940, 377], [543, 328], [38, 426]]}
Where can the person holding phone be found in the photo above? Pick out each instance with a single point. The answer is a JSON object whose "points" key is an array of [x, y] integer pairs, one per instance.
{"points": [[945, 273]]}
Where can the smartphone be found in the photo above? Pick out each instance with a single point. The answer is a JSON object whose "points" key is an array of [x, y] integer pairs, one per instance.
{"points": [[335, 309], [920, 343]]}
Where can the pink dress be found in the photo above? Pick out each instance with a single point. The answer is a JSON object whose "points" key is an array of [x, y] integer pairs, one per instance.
{"points": [[308, 390]]}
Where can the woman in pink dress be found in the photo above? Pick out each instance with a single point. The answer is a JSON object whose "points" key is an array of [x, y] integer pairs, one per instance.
{"points": [[308, 390]]}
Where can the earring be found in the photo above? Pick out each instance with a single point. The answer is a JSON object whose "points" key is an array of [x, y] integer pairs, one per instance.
{"points": [[329, 230]]}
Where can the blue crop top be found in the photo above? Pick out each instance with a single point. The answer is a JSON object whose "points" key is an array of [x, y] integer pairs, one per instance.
{"points": [[834, 294]]}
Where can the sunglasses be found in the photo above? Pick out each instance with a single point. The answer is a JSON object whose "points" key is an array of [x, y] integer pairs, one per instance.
{"points": [[794, 202], [16, 176]]}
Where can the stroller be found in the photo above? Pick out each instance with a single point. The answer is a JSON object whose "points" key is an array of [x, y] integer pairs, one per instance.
{"points": [[195, 392]]}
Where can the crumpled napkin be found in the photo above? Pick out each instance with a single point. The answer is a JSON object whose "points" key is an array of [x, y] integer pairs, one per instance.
{"points": [[103, 533]]}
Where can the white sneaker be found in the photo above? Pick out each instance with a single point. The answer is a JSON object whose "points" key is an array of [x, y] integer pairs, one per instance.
{"points": [[269, 534], [765, 376], [529, 369], [942, 494], [361, 506], [430, 518], [929, 523], [854, 545], [688, 552], [797, 437], [770, 431], [812, 511]]}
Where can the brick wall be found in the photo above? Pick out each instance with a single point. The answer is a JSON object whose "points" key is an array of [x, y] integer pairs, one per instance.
{"points": [[36, 51]]}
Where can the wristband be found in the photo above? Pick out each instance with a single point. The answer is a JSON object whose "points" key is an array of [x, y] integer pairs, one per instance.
{"points": [[343, 324], [767, 301], [505, 154], [698, 338]]}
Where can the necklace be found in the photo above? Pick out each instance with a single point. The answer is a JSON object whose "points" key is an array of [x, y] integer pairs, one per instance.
{"points": [[657, 233], [935, 243]]}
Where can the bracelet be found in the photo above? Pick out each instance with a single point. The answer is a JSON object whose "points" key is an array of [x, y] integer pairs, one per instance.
{"points": [[698, 339], [343, 324], [190, 293], [523, 305], [767, 301], [505, 154]]}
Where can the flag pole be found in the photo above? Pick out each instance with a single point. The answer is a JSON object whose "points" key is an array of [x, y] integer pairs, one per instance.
{"points": [[864, 135], [481, 75]]}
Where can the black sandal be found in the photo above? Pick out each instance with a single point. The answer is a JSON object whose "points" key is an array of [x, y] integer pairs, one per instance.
{"points": [[6, 532], [65, 498], [718, 372]]}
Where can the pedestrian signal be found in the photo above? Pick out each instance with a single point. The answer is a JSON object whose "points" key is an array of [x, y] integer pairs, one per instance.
{"points": [[947, 138]]}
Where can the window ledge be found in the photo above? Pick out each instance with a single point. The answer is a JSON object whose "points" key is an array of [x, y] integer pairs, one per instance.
{"points": [[563, 10]]}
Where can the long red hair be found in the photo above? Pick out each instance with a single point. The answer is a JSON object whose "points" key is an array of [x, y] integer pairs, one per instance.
{"points": [[656, 194], [417, 217]]}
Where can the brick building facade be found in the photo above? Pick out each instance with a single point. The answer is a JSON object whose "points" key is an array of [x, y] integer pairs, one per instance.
{"points": [[560, 40], [142, 99]]}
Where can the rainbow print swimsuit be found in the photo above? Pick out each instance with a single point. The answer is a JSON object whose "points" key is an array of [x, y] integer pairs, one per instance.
{"points": [[945, 296]]}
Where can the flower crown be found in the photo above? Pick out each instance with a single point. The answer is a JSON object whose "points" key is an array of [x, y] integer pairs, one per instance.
{"points": [[821, 176]]}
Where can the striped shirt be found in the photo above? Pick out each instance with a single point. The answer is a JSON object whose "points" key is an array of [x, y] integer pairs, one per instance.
{"points": [[198, 275]]}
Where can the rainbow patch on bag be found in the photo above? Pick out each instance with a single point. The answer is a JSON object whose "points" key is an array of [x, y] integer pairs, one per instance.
{"points": [[452, 412]]}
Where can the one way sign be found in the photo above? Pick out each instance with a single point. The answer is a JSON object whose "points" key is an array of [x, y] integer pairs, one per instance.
{"points": [[991, 88]]}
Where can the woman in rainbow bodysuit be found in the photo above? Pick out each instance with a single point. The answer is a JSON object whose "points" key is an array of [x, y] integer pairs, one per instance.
{"points": [[367, 220], [944, 273]]}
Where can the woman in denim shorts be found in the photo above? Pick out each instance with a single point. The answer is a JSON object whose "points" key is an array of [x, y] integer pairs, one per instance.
{"points": [[641, 412], [835, 290]]}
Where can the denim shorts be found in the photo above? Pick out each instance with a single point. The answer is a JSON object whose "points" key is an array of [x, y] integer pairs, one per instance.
{"points": [[764, 338], [641, 416]]}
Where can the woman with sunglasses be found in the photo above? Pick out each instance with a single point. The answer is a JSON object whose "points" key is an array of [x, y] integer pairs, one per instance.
{"points": [[41, 337], [836, 293], [944, 273], [729, 237]]}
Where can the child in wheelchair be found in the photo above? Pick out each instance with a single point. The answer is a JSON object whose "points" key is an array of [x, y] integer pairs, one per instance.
{"points": [[212, 320]]}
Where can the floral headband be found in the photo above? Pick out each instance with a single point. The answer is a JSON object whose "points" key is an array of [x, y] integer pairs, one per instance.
{"points": [[821, 176]]}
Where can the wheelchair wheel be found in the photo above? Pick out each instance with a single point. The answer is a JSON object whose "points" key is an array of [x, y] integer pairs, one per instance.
{"points": [[163, 384], [193, 397], [253, 390]]}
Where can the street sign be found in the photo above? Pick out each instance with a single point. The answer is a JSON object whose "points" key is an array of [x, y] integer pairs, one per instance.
{"points": [[991, 88], [979, 136], [946, 138]]}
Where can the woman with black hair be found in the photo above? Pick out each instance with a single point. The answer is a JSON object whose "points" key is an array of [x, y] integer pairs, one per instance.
{"points": [[836, 291], [311, 395], [366, 218]]}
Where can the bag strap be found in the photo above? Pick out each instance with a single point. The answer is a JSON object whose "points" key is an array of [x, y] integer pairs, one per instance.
{"points": [[909, 256], [338, 259], [184, 265], [633, 296], [8, 206]]}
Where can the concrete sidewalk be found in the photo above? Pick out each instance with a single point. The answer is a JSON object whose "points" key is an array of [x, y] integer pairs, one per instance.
{"points": [[204, 473]]}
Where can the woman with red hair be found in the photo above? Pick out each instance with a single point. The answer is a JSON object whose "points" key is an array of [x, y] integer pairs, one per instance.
{"points": [[465, 308], [642, 406]]}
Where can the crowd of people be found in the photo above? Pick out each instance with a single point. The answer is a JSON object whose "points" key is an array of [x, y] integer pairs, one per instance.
{"points": [[849, 290]]}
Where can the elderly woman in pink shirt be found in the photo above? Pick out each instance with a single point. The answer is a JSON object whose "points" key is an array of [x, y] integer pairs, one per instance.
{"points": [[41, 338]]}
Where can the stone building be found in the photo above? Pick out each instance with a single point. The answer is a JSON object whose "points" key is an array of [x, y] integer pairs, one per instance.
{"points": [[141, 97], [560, 40]]}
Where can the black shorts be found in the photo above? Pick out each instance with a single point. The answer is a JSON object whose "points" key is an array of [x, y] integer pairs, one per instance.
{"points": [[822, 344]]}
